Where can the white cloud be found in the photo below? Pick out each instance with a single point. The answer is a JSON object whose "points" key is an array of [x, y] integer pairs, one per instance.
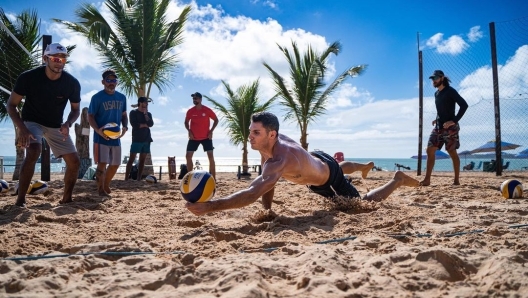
{"points": [[162, 100], [512, 78], [453, 45], [221, 47], [475, 34]]}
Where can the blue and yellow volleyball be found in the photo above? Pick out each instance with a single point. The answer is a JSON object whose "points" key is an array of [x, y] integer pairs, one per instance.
{"points": [[37, 187], [511, 189], [198, 186], [112, 130], [4, 185]]}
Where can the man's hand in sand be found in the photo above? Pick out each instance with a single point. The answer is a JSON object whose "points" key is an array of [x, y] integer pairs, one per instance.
{"points": [[198, 208]]}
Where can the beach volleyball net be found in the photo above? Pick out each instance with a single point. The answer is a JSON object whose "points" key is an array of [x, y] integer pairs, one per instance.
{"points": [[15, 56]]}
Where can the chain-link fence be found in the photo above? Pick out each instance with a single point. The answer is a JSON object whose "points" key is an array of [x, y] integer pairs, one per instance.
{"points": [[488, 67]]}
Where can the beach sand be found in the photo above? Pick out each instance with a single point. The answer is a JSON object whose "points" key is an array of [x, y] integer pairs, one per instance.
{"points": [[436, 241]]}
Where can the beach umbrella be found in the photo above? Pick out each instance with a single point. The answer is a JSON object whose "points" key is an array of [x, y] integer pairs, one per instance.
{"points": [[490, 147], [438, 155]]}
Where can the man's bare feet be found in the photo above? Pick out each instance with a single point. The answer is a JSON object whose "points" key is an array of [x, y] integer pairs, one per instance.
{"points": [[406, 180], [367, 169], [107, 190], [102, 193], [456, 182], [65, 200], [425, 182]]}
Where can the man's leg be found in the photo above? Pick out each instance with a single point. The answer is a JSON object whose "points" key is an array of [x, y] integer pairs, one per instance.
{"points": [[188, 157], [141, 165], [70, 177], [129, 164], [100, 175], [212, 165], [456, 165], [26, 172], [381, 193], [114, 161], [431, 151], [350, 167], [110, 173]]}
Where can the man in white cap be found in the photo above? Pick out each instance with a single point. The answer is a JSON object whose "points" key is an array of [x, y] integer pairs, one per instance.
{"points": [[47, 89]]}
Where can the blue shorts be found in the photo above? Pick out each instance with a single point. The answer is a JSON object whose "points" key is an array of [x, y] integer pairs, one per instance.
{"points": [[59, 143], [140, 147], [207, 144]]}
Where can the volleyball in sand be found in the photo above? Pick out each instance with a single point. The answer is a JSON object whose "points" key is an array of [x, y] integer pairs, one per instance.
{"points": [[198, 186], [151, 179], [511, 189], [112, 130], [4, 185], [37, 187]]}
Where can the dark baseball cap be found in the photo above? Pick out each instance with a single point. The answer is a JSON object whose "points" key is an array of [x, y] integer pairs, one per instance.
{"points": [[437, 73], [144, 99], [196, 94], [109, 72]]}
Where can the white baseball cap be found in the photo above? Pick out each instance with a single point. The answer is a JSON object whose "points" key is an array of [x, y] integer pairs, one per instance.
{"points": [[55, 48]]}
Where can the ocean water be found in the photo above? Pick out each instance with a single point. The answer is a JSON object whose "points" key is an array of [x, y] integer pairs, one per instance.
{"points": [[230, 164]]}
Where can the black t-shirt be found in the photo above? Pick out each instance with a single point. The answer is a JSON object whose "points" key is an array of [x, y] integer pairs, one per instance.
{"points": [[445, 102], [140, 135], [45, 98]]}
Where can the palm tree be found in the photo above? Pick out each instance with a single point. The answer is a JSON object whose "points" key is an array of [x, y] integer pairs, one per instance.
{"points": [[241, 104], [137, 42], [305, 99], [14, 60]]}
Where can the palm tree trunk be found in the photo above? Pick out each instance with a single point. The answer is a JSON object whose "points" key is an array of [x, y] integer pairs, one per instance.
{"points": [[304, 138], [245, 166]]}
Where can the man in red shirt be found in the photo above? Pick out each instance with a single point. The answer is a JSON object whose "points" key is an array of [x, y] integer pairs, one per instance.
{"points": [[197, 123]]}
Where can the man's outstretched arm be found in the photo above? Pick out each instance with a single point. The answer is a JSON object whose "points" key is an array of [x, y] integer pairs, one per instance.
{"points": [[263, 184]]}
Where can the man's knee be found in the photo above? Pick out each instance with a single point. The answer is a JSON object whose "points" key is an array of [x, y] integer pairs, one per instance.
{"points": [[72, 160]]}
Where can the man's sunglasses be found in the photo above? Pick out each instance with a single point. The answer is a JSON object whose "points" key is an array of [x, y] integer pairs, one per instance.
{"points": [[435, 78], [57, 59], [111, 80]]}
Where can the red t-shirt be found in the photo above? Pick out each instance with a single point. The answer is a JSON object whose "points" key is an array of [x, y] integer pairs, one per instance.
{"points": [[200, 122]]}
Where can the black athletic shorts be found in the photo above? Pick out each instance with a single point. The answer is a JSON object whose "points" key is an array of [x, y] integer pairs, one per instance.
{"points": [[337, 184]]}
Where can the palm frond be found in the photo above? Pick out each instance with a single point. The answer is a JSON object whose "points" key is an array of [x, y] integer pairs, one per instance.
{"points": [[136, 41], [306, 100]]}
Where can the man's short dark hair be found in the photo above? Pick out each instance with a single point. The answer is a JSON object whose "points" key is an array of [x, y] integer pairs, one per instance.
{"points": [[268, 120]]}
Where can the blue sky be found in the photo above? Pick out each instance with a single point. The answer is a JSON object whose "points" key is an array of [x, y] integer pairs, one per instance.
{"points": [[229, 40]]}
